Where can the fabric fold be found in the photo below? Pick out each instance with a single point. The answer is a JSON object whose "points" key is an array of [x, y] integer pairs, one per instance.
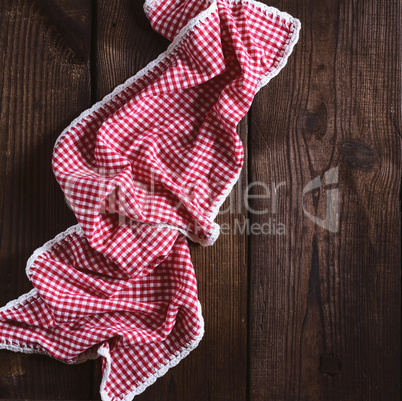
{"points": [[144, 170]]}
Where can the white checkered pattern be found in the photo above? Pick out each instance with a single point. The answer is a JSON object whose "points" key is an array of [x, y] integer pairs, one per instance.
{"points": [[152, 161]]}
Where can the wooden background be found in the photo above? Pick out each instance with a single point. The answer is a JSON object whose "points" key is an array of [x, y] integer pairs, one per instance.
{"points": [[308, 315]]}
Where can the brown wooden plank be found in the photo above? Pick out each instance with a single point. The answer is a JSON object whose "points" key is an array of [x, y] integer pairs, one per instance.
{"points": [[325, 306], [44, 84], [216, 370]]}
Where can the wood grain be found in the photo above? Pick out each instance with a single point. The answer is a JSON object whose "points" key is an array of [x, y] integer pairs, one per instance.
{"points": [[217, 369], [44, 84], [295, 312], [325, 306]]}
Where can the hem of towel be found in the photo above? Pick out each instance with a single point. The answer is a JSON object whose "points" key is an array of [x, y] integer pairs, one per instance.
{"points": [[190, 26], [163, 368], [18, 346]]}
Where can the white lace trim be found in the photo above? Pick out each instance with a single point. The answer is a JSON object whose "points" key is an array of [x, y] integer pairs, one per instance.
{"points": [[150, 4], [175, 359], [20, 300], [17, 346], [193, 237], [76, 229], [47, 246]]}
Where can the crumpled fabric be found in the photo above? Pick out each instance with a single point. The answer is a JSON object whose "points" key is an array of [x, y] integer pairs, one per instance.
{"points": [[144, 170]]}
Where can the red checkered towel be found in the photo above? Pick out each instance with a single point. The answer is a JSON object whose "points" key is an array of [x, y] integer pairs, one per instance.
{"points": [[142, 170]]}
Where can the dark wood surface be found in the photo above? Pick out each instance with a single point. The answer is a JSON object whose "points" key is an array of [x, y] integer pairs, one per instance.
{"points": [[305, 314]]}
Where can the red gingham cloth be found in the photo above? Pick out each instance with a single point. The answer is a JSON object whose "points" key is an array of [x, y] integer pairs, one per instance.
{"points": [[142, 170]]}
